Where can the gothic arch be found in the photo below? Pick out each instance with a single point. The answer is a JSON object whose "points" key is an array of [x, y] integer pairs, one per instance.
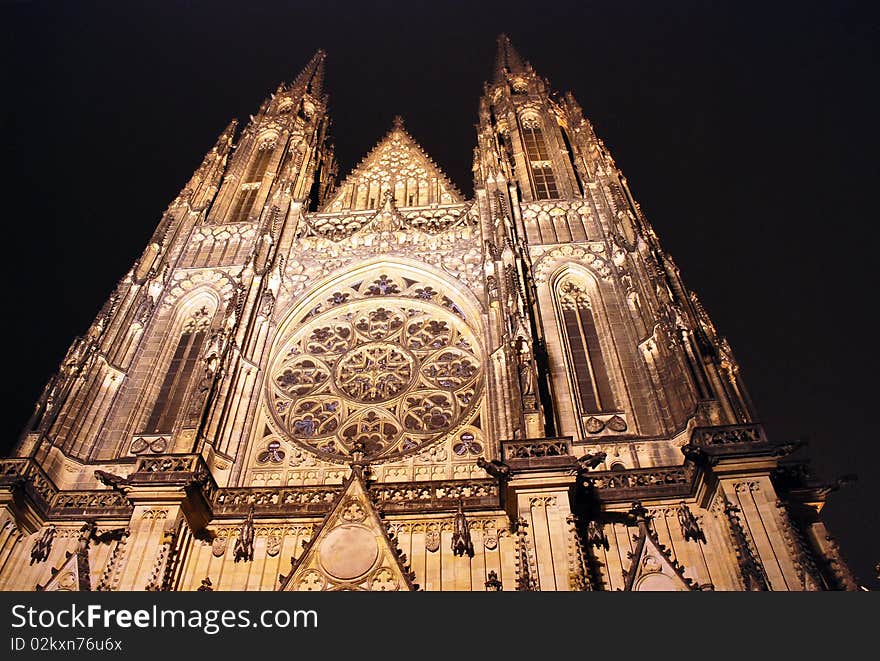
{"points": [[410, 268], [385, 359], [186, 285], [596, 351], [186, 329]]}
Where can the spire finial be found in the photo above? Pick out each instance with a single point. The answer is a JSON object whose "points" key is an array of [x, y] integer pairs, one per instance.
{"points": [[397, 122], [312, 75], [507, 59]]}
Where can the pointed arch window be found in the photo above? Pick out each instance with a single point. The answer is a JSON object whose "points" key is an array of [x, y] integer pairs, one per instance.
{"points": [[586, 363], [540, 165], [179, 373], [247, 195]]}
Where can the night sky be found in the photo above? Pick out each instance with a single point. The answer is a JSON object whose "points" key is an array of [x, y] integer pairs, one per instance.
{"points": [[747, 131]]}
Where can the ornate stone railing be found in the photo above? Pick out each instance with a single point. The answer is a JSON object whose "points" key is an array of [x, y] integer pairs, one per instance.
{"points": [[440, 495], [537, 453], [710, 437], [54, 503], [28, 473], [90, 503], [305, 500], [389, 497], [187, 468], [190, 471], [11, 469], [669, 481], [539, 447], [168, 463]]}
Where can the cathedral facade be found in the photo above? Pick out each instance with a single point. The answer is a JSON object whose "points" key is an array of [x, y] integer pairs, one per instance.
{"points": [[374, 383]]}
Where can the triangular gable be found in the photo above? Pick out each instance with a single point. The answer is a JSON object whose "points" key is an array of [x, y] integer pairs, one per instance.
{"points": [[652, 568], [74, 574], [351, 550], [396, 164]]}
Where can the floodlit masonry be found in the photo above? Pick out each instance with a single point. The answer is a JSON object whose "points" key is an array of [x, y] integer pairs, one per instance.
{"points": [[378, 384]]}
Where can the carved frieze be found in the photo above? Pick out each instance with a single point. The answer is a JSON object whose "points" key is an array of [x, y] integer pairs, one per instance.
{"points": [[593, 257]]}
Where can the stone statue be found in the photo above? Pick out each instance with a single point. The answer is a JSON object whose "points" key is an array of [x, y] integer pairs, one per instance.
{"points": [[596, 536], [492, 582], [461, 535], [43, 546], [690, 528], [244, 545]]}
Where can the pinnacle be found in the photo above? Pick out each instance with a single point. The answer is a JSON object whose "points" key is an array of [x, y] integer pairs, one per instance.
{"points": [[312, 75], [507, 59]]}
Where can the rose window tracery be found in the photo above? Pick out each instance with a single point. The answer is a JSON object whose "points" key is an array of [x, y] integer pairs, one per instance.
{"points": [[386, 376]]}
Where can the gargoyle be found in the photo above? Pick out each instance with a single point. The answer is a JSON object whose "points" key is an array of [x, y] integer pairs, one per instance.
{"points": [[89, 533], [589, 461], [843, 481], [495, 468], [785, 449], [115, 482]]}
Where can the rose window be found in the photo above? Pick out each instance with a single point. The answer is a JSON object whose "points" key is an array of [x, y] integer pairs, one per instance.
{"points": [[385, 378]]}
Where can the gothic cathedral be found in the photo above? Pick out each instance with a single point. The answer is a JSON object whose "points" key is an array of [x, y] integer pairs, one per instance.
{"points": [[374, 383]]}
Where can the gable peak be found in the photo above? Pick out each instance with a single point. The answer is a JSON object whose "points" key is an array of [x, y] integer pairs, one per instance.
{"points": [[351, 549], [399, 165]]}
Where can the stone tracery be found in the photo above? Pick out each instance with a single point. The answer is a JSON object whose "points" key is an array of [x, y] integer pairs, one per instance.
{"points": [[388, 373]]}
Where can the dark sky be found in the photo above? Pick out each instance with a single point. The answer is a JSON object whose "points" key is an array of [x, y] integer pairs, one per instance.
{"points": [[747, 130]]}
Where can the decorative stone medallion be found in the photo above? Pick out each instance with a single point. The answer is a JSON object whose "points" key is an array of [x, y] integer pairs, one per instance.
{"points": [[348, 552]]}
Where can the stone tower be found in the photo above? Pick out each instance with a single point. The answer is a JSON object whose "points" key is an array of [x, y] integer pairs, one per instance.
{"points": [[378, 384]]}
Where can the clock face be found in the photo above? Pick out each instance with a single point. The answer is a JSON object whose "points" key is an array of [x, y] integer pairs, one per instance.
{"points": [[385, 376]]}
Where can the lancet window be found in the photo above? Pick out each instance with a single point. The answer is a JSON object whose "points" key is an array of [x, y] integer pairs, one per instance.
{"points": [[541, 166], [177, 378], [247, 195], [586, 363]]}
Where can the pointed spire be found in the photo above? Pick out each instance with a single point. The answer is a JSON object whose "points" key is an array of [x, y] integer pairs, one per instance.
{"points": [[312, 76], [507, 59]]}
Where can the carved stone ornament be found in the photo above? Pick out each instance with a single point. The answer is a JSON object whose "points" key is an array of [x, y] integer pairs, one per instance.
{"points": [[273, 545], [432, 541], [244, 545], [218, 548], [352, 511], [650, 564], [492, 582], [155, 445], [616, 423], [594, 425], [596, 535], [384, 581], [491, 542], [43, 546], [690, 527], [461, 535], [383, 379], [206, 585], [66, 581], [311, 581], [495, 468]]}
